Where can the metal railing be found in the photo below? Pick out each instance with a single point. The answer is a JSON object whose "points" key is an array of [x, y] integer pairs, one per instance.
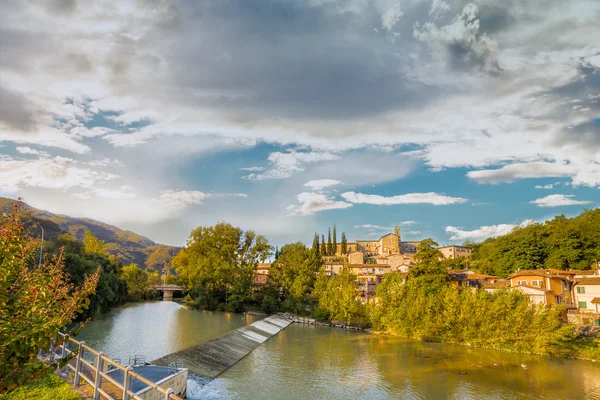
{"points": [[97, 369]]}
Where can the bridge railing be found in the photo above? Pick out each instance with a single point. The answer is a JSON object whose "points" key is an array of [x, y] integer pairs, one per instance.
{"points": [[97, 372]]}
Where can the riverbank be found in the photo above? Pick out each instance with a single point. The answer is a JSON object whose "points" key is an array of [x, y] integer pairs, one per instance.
{"points": [[311, 321]]}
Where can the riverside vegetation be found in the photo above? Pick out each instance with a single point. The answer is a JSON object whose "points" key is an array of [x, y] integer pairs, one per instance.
{"points": [[73, 282], [421, 305]]}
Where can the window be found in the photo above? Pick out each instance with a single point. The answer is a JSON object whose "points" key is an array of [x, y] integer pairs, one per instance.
{"points": [[459, 283], [582, 304], [537, 283], [521, 282], [581, 289]]}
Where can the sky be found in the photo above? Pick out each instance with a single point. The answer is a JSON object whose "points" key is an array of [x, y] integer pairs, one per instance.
{"points": [[456, 120]]}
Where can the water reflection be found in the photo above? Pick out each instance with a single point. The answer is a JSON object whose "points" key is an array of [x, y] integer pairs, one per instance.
{"points": [[155, 329], [322, 363]]}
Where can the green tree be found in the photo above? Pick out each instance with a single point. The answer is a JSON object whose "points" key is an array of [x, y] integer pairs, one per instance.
{"points": [[344, 244], [137, 281], [329, 243], [428, 273], [323, 246], [334, 246], [294, 272], [337, 297], [159, 257], [218, 265], [315, 244], [92, 245], [35, 302]]}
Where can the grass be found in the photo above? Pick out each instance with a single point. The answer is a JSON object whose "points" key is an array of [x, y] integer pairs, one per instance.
{"points": [[48, 388]]}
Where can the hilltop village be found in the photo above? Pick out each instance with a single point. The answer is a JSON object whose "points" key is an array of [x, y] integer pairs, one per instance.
{"points": [[372, 260]]}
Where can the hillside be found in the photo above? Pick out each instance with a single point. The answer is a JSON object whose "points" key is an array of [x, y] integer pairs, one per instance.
{"points": [[561, 243], [127, 246]]}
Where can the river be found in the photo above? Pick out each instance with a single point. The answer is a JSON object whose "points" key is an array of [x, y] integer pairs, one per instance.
{"points": [[311, 362]]}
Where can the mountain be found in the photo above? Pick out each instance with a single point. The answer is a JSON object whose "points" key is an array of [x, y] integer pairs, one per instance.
{"points": [[129, 247]]}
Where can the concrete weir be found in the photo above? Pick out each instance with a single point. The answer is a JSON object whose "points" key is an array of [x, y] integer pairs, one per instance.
{"points": [[215, 356]]}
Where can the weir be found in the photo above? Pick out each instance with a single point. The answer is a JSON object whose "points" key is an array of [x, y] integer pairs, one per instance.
{"points": [[215, 356]]}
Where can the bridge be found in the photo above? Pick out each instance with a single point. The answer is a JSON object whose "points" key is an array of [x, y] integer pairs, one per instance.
{"points": [[167, 289]]}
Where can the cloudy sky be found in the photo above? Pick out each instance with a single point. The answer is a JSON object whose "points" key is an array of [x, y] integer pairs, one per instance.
{"points": [[455, 119]]}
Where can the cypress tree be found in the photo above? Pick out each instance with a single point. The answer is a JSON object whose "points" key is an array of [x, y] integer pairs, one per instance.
{"points": [[315, 244], [334, 241], [329, 244], [276, 252], [344, 243], [323, 247]]}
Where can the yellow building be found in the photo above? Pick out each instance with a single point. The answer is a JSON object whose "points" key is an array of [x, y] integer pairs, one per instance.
{"points": [[454, 251], [333, 267], [544, 286]]}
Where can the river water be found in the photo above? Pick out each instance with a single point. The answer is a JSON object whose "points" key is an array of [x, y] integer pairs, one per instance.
{"points": [[309, 362]]}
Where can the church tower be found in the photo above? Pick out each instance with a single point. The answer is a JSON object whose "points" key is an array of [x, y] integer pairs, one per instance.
{"points": [[397, 232]]}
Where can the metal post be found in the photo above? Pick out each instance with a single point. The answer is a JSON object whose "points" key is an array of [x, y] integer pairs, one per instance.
{"points": [[63, 354], [78, 364], [98, 380], [127, 383], [169, 392]]}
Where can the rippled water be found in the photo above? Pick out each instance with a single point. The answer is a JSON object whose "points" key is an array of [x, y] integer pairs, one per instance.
{"points": [[308, 362]]}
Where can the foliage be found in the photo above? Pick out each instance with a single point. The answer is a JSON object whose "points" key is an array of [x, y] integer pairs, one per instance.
{"points": [[294, 272], [35, 302], [323, 246], [426, 307], [344, 246], [78, 264], [334, 245], [315, 244], [330, 251], [337, 298], [49, 387], [140, 283], [218, 265], [561, 243], [92, 245], [429, 273]]}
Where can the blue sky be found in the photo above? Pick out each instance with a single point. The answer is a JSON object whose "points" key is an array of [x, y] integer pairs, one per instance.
{"points": [[454, 119]]}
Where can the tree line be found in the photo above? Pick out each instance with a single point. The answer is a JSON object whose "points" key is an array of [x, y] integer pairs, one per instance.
{"points": [[561, 243]]}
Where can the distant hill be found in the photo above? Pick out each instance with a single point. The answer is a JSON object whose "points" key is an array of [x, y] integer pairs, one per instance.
{"points": [[561, 243], [127, 246]]}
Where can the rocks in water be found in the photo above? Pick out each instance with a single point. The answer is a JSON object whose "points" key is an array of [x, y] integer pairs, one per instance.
{"points": [[311, 321]]}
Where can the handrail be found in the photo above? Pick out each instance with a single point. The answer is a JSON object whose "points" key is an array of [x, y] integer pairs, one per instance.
{"points": [[99, 374]]}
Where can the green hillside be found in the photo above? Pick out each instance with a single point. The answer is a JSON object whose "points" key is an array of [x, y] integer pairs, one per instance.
{"points": [[561, 243], [127, 246]]}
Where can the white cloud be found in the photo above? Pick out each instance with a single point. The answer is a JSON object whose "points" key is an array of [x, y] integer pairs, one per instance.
{"points": [[410, 198], [558, 200], [320, 184], [511, 172], [29, 150], [371, 226], [184, 198], [311, 203], [120, 194], [47, 172], [391, 17], [548, 186], [412, 233], [284, 165], [438, 8], [253, 169], [408, 223], [483, 232]]}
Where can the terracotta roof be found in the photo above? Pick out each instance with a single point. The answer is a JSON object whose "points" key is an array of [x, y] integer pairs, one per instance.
{"points": [[496, 284], [540, 272], [596, 300], [588, 281]]}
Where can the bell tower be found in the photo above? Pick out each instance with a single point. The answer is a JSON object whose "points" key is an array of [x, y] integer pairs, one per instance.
{"points": [[398, 233]]}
